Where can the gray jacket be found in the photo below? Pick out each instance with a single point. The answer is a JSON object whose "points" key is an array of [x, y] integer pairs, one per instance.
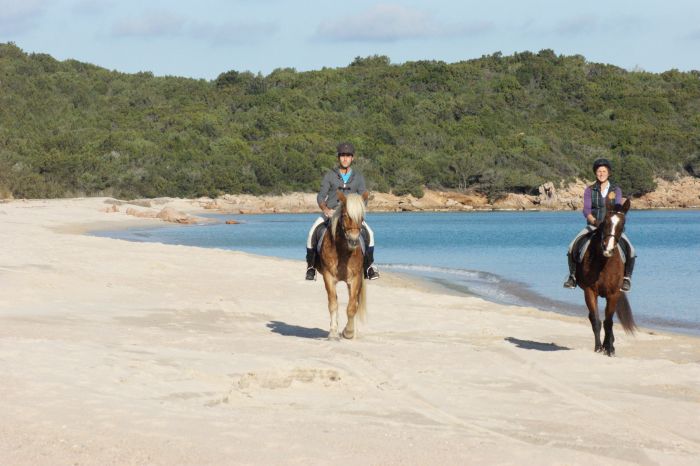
{"points": [[333, 182]]}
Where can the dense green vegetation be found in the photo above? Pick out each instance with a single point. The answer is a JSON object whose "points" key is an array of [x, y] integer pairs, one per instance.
{"points": [[495, 124]]}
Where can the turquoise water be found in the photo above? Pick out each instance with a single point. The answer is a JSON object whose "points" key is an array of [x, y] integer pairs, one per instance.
{"points": [[507, 257]]}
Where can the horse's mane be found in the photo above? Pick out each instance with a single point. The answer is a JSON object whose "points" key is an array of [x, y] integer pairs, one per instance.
{"points": [[355, 207]]}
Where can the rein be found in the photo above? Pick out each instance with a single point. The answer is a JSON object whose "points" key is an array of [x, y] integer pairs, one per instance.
{"points": [[341, 233], [605, 237], [340, 224]]}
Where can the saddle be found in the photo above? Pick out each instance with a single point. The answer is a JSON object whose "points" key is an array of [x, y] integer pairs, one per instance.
{"points": [[320, 233], [582, 245]]}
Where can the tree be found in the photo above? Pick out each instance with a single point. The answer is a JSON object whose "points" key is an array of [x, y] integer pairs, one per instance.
{"points": [[635, 176], [494, 124]]}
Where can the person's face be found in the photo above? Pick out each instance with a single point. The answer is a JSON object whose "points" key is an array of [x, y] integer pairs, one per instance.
{"points": [[345, 160], [602, 174]]}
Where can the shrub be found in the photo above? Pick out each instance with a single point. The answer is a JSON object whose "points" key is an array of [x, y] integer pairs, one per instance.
{"points": [[635, 176]]}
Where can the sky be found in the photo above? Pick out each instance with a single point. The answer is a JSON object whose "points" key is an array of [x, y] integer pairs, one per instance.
{"points": [[204, 38]]}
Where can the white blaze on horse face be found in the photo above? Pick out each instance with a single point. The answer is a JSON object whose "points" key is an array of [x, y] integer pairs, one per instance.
{"points": [[615, 221]]}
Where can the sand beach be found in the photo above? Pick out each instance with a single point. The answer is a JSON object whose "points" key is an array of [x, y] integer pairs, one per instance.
{"points": [[115, 352]]}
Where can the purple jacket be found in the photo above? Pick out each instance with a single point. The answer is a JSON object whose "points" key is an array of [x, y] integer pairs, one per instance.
{"points": [[593, 202]]}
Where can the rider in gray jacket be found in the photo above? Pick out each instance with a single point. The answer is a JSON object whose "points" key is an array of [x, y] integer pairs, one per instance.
{"points": [[345, 179]]}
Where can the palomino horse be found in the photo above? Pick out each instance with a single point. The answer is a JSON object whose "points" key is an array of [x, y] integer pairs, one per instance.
{"points": [[341, 260], [600, 273]]}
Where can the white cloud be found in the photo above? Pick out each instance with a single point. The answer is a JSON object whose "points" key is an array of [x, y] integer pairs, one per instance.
{"points": [[590, 24], [232, 32], [20, 16], [92, 7], [151, 24], [389, 22], [165, 24], [583, 24]]}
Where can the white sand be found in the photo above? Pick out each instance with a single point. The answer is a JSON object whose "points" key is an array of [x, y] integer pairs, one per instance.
{"points": [[125, 353]]}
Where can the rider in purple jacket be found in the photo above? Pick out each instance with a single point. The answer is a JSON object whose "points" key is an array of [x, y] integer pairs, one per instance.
{"points": [[594, 212]]}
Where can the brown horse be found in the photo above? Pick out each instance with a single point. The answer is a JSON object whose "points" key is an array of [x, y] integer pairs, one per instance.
{"points": [[600, 273], [341, 260]]}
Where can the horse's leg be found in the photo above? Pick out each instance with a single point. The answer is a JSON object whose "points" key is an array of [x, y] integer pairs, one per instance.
{"points": [[353, 300], [592, 304], [609, 339], [330, 282]]}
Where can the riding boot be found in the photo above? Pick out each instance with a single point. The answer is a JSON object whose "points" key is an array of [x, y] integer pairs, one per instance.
{"points": [[365, 235], [571, 281], [370, 269], [310, 261], [629, 269]]}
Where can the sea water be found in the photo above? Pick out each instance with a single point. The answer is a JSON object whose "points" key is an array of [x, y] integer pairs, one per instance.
{"points": [[507, 257]]}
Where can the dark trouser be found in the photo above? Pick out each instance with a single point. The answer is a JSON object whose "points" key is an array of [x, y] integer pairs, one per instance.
{"points": [[629, 267], [575, 245], [369, 259], [630, 255], [572, 263], [310, 257]]}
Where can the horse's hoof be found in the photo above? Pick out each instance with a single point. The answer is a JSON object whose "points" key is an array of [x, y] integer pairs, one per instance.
{"points": [[333, 336], [598, 349], [348, 335]]}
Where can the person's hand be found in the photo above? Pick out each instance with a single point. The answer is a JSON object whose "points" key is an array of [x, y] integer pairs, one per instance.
{"points": [[327, 212], [591, 220]]}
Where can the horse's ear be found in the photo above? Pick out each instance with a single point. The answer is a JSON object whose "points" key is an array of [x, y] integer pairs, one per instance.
{"points": [[341, 197], [365, 196], [626, 205]]}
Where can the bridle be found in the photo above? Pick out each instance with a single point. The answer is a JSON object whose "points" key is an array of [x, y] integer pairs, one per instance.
{"points": [[604, 237], [342, 231]]}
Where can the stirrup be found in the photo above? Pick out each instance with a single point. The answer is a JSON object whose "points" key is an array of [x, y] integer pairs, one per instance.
{"points": [[626, 284], [372, 273], [311, 273], [570, 282]]}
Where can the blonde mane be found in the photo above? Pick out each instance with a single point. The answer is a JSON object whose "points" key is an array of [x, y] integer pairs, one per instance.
{"points": [[355, 207]]}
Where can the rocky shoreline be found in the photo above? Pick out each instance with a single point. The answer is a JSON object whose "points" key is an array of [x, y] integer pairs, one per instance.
{"points": [[682, 193]]}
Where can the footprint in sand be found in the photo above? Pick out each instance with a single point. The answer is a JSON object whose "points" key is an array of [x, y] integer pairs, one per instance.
{"points": [[284, 379], [254, 384]]}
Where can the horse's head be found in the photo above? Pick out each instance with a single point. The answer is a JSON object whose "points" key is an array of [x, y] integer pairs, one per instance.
{"points": [[348, 217], [613, 225]]}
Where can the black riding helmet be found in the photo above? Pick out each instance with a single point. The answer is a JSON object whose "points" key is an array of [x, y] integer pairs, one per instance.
{"points": [[602, 163], [346, 148]]}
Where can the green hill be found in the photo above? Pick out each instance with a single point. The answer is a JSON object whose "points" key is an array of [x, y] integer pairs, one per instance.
{"points": [[494, 124]]}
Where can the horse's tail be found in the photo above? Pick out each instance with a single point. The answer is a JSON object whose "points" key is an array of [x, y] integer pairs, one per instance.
{"points": [[624, 313], [362, 301]]}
